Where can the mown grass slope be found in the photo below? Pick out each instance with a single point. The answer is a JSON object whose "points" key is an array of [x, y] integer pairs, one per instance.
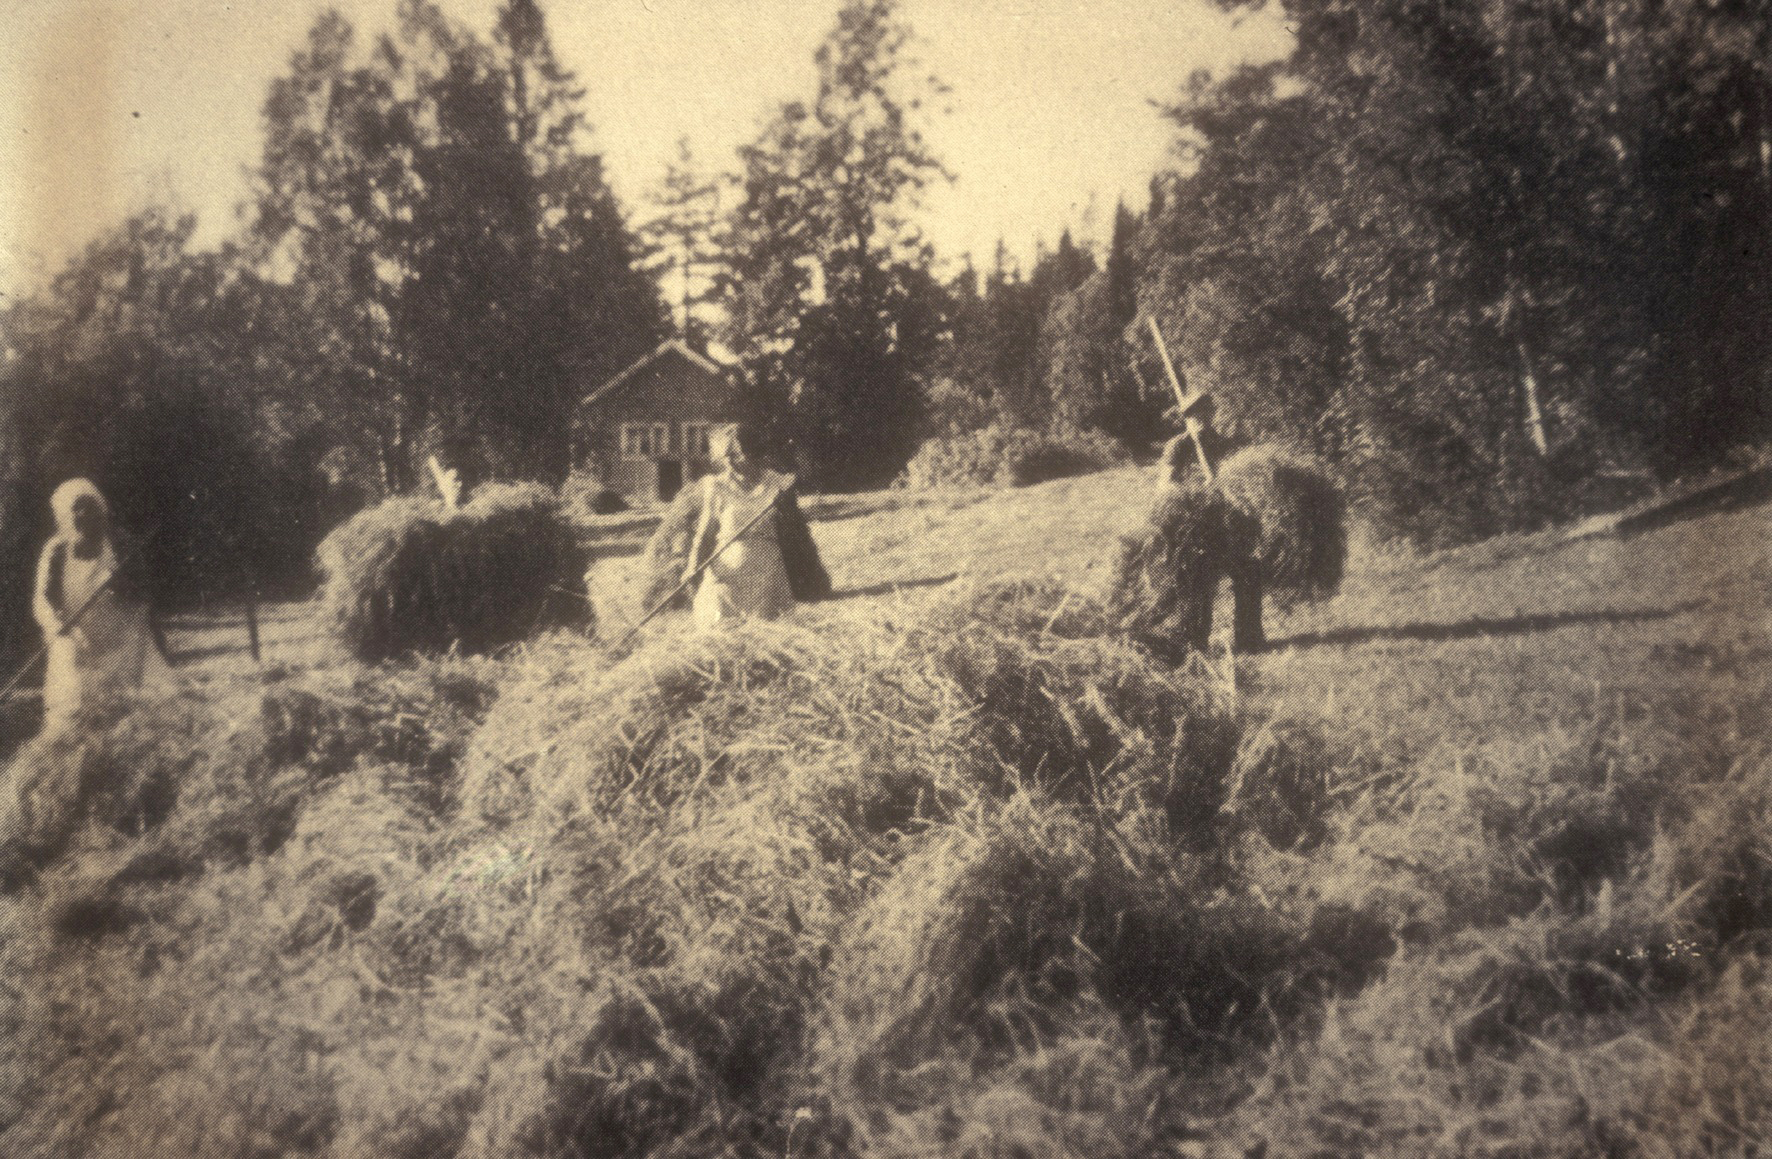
{"points": [[1477, 860]]}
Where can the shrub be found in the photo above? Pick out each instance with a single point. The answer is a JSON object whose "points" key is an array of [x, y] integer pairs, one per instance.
{"points": [[1039, 457], [586, 494], [410, 576], [998, 455]]}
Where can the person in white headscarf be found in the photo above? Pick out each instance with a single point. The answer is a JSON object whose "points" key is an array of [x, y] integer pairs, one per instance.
{"points": [[96, 631], [758, 550]]}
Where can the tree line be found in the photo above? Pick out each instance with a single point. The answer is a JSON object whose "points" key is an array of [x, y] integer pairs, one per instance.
{"points": [[1484, 255], [1488, 258], [1493, 260]]}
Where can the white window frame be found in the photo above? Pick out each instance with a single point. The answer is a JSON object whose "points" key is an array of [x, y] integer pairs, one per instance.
{"points": [[696, 440], [644, 441]]}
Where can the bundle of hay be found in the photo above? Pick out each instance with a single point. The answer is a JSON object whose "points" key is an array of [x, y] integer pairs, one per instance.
{"points": [[667, 552], [1272, 521], [1166, 578], [1303, 520], [413, 576]]}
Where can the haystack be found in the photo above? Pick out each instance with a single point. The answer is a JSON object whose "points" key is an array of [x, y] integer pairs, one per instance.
{"points": [[668, 550], [713, 812], [1272, 522], [1303, 520], [411, 576]]}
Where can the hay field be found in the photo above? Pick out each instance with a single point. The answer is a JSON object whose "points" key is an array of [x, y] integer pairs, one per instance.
{"points": [[1476, 861]]}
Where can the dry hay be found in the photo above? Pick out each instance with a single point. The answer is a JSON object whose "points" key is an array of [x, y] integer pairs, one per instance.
{"points": [[667, 552], [1269, 514], [1167, 576], [213, 881], [1038, 957], [219, 772], [712, 811], [1303, 520], [410, 576], [667, 902], [811, 889]]}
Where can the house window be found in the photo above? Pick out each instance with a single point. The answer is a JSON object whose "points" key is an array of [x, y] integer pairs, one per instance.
{"points": [[695, 441], [645, 440]]}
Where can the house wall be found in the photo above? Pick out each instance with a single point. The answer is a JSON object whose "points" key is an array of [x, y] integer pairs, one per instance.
{"points": [[671, 391]]}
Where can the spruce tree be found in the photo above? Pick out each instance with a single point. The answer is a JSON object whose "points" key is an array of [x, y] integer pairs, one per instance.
{"points": [[833, 305], [460, 265]]}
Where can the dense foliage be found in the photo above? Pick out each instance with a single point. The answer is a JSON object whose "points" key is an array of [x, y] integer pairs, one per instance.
{"points": [[460, 264], [1495, 260], [432, 262], [1482, 253], [833, 304]]}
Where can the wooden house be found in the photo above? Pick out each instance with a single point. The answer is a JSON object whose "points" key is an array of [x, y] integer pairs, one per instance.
{"points": [[644, 433]]}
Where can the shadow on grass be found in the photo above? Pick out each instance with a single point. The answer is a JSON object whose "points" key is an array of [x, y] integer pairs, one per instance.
{"points": [[1478, 626], [1749, 489], [884, 589], [179, 657]]}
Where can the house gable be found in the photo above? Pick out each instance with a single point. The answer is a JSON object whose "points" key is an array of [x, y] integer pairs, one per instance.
{"points": [[644, 431]]}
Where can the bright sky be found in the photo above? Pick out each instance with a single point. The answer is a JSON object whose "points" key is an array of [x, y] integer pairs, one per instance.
{"points": [[109, 105]]}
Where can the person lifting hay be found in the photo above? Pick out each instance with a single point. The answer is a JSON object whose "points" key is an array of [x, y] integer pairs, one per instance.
{"points": [[1269, 521], [750, 554], [1198, 449], [96, 630]]}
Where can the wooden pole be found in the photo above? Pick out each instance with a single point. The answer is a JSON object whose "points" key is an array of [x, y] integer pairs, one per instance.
{"points": [[701, 567], [252, 624], [67, 626], [1193, 431]]}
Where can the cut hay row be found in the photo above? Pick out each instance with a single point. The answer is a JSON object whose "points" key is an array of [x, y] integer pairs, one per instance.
{"points": [[654, 861], [411, 576], [714, 814], [973, 879]]}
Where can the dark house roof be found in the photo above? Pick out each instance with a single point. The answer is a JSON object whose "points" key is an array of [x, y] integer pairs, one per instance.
{"points": [[673, 346]]}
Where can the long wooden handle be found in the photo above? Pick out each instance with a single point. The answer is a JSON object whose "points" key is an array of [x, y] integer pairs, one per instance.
{"points": [[699, 568], [1181, 399]]}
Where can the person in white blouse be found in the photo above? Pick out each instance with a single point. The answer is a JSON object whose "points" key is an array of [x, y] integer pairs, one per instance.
{"points": [[95, 628], [758, 551]]}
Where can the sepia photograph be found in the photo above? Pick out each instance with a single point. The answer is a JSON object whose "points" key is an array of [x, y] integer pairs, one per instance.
{"points": [[886, 579]]}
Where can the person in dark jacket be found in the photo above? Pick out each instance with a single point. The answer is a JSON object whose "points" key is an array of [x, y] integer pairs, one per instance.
{"points": [[1181, 455]]}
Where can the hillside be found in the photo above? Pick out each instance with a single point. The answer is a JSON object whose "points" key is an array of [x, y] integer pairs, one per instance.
{"points": [[1473, 861]]}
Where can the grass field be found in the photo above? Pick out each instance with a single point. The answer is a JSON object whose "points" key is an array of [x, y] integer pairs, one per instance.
{"points": [[1476, 860]]}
